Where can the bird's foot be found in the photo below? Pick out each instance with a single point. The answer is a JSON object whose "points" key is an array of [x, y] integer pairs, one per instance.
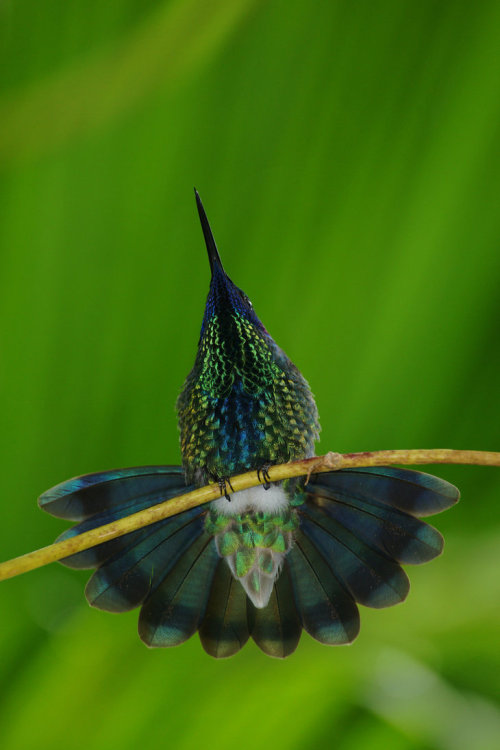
{"points": [[224, 483], [263, 476]]}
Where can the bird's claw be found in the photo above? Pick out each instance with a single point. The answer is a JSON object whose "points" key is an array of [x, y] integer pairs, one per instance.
{"points": [[263, 476], [223, 483]]}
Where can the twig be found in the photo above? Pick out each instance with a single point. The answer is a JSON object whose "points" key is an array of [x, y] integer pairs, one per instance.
{"points": [[328, 462]]}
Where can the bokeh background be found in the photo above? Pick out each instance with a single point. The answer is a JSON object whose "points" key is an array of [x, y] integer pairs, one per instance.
{"points": [[348, 155]]}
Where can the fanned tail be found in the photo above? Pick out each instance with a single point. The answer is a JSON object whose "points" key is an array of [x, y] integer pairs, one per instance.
{"points": [[102, 497], [167, 567], [361, 524], [355, 528]]}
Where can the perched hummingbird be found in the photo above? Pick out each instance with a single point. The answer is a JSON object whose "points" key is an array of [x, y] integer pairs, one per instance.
{"points": [[263, 562]]}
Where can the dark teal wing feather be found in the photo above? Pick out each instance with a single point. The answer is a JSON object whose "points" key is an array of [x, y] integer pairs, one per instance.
{"points": [[162, 566], [224, 630], [174, 610], [82, 497], [276, 629], [364, 522], [372, 579], [413, 492], [328, 611], [398, 535], [100, 498], [95, 556], [125, 580]]}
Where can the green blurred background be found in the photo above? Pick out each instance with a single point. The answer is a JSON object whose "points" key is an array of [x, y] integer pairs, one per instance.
{"points": [[348, 156]]}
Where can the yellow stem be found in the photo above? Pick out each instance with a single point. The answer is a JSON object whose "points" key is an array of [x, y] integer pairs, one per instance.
{"points": [[328, 462]]}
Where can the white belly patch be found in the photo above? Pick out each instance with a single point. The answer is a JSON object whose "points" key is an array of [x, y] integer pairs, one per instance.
{"points": [[273, 500]]}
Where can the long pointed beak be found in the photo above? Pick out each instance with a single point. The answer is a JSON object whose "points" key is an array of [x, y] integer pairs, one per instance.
{"points": [[213, 254]]}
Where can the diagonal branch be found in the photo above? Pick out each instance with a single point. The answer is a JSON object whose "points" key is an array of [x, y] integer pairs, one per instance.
{"points": [[328, 462]]}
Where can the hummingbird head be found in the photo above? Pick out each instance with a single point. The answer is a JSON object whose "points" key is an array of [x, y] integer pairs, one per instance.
{"points": [[233, 341]]}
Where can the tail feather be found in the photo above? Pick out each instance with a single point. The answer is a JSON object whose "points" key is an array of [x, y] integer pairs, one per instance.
{"points": [[81, 497], [354, 529], [95, 556], [276, 628], [328, 611], [103, 497], [125, 580], [174, 610], [411, 491], [371, 578], [396, 534], [224, 629]]}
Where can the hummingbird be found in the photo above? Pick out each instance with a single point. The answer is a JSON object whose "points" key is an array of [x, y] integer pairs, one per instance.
{"points": [[266, 562]]}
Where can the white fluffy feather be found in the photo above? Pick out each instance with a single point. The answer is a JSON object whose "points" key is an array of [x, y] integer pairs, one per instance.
{"points": [[273, 500]]}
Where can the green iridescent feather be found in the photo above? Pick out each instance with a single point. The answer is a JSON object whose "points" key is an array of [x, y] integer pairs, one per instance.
{"points": [[252, 410]]}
